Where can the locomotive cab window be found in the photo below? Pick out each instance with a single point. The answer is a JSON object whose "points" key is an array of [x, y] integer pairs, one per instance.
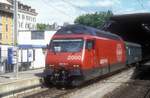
{"points": [[66, 45], [90, 44]]}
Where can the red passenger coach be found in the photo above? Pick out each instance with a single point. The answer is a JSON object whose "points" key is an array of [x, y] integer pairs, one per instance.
{"points": [[79, 53]]}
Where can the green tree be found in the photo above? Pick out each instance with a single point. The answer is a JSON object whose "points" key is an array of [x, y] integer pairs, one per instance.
{"points": [[94, 20], [41, 26]]}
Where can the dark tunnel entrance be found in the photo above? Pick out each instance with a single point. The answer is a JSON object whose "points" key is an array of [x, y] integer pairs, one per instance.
{"points": [[132, 28]]}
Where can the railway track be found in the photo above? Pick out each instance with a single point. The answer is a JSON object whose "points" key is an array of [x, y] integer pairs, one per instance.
{"points": [[62, 93], [50, 93], [138, 87], [131, 89], [120, 84], [147, 95]]}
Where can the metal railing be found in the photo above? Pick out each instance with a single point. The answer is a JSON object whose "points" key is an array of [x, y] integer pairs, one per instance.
{"points": [[5, 67]]}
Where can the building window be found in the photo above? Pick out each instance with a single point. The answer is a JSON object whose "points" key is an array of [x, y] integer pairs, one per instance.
{"points": [[23, 17], [21, 24], [34, 20], [26, 25], [21, 7], [37, 35], [0, 24], [6, 24], [26, 17], [0, 28], [6, 7], [18, 16], [29, 26], [6, 20], [6, 27], [0, 20], [29, 18], [0, 36]]}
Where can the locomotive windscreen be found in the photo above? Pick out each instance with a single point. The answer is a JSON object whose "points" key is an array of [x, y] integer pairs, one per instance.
{"points": [[67, 45]]}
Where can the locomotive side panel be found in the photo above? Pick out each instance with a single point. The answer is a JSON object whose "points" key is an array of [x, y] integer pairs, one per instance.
{"points": [[111, 54], [106, 56]]}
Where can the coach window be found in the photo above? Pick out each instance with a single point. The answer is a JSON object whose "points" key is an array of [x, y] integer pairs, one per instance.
{"points": [[90, 44]]}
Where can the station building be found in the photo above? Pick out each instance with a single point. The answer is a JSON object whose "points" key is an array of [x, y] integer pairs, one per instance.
{"points": [[26, 21], [6, 22], [26, 17]]}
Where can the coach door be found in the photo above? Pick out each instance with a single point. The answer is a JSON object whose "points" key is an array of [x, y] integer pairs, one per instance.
{"points": [[90, 46]]}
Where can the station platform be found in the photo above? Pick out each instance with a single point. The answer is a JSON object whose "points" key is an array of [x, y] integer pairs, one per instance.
{"points": [[10, 84]]}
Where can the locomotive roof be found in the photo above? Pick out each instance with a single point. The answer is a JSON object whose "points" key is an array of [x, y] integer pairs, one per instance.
{"points": [[132, 44], [81, 29]]}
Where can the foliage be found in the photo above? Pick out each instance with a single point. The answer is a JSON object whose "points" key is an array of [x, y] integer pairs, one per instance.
{"points": [[41, 26], [94, 20]]}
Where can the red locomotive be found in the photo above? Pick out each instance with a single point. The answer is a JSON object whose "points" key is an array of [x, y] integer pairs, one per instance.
{"points": [[79, 53]]}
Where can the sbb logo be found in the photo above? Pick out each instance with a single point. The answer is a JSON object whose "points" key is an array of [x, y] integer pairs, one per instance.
{"points": [[72, 57], [119, 52]]}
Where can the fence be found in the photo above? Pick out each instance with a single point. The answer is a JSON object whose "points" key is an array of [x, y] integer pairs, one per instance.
{"points": [[4, 67], [8, 59]]}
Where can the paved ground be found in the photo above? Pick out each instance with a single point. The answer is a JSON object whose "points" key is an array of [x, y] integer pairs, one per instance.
{"points": [[10, 85], [11, 77]]}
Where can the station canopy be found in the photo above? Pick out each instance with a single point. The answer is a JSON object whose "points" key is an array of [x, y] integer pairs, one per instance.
{"points": [[133, 28]]}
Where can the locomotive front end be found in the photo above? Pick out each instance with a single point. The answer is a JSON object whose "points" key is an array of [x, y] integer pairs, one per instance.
{"points": [[64, 61]]}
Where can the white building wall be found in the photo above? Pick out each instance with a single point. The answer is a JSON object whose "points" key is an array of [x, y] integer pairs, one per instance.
{"points": [[39, 61], [25, 38], [26, 21]]}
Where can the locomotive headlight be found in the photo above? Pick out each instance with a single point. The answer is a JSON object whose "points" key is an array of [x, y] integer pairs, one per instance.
{"points": [[76, 66], [51, 65]]}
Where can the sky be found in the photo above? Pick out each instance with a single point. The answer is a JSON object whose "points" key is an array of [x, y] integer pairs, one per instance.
{"points": [[60, 11]]}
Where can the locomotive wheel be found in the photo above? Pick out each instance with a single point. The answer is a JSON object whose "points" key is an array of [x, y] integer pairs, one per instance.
{"points": [[47, 81]]}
